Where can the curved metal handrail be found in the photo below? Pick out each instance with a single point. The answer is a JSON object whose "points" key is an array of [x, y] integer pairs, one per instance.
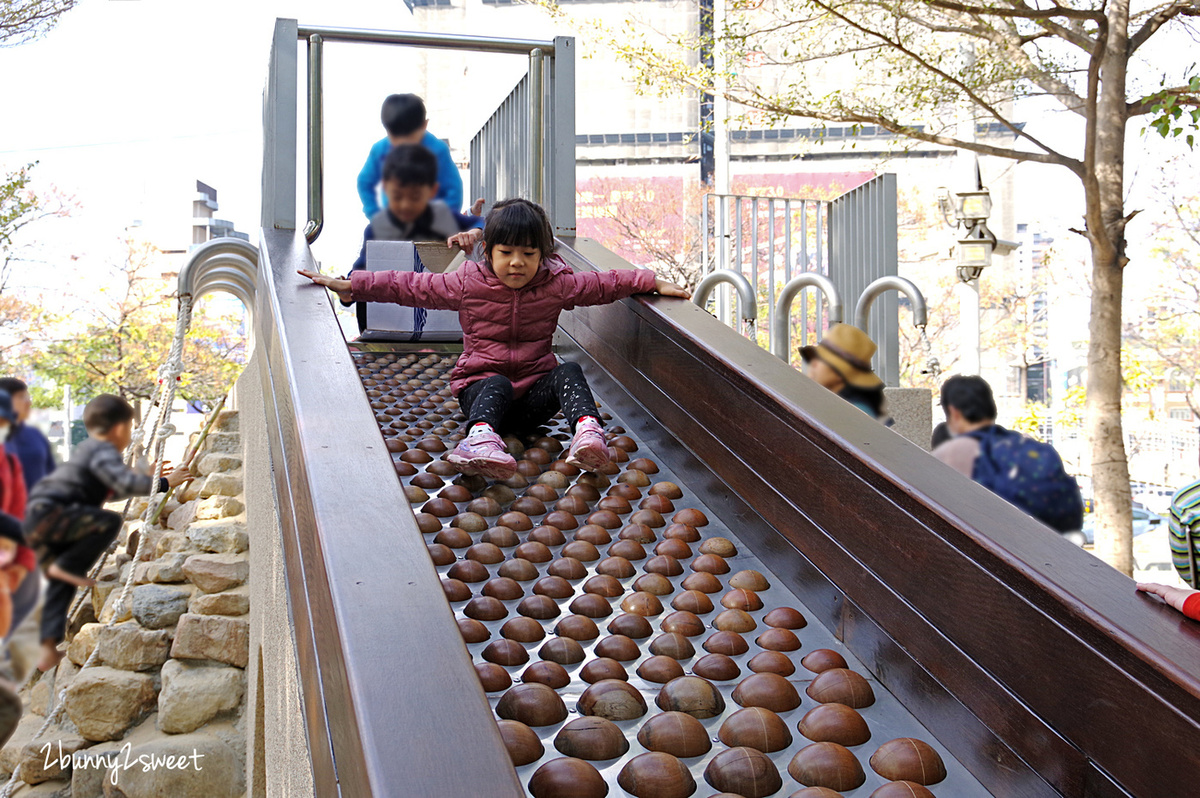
{"points": [[781, 329], [862, 310], [747, 305], [223, 264]]}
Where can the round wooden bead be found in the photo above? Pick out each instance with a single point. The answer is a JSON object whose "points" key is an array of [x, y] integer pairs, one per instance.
{"points": [[674, 547], [618, 504], [629, 549], [523, 630], [827, 765], [749, 580], [567, 567], [737, 599], [735, 621], [618, 647], [604, 585], [834, 723], [591, 605], [577, 627], [603, 668], [771, 662], [656, 775], [592, 738], [823, 659], [675, 733], [455, 589], [567, 777], [616, 567], [533, 704], [548, 673], [638, 533], [722, 547], [612, 699], [691, 517], [533, 551], [693, 601], [908, 759], [471, 522], [562, 650], [662, 564], [660, 669], [692, 695], [657, 584], [668, 489], [755, 727], [539, 607], [702, 581], [645, 604], [581, 550], [731, 644], [710, 564], [688, 534], [472, 631], [768, 690], [518, 569], [684, 623], [441, 555], [492, 677], [485, 608], [717, 667], [468, 571], [841, 686], [503, 588], [522, 742], [505, 652], [743, 771], [453, 537], [596, 535], [634, 626], [785, 618], [554, 587], [778, 640], [673, 645], [815, 792]]}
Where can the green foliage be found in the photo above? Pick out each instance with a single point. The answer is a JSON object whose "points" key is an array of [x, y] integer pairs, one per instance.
{"points": [[1171, 117], [23, 21]]}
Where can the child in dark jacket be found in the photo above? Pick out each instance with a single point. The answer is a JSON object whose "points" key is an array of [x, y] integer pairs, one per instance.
{"points": [[65, 522], [403, 117], [413, 213], [507, 378]]}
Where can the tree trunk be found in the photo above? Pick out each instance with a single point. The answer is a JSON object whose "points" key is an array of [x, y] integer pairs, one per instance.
{"points": [[1106, 230]]}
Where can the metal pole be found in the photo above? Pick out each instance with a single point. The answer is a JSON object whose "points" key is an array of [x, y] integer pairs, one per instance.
{"points": [[316, 143], [444, 41], [536, 125]]}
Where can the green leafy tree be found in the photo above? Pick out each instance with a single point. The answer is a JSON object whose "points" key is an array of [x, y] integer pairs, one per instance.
{"points": [[23, 21], [121, 350], [917, 68]]}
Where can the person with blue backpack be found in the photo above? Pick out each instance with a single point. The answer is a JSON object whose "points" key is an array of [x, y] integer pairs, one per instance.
{"points": [[1021, 470]]}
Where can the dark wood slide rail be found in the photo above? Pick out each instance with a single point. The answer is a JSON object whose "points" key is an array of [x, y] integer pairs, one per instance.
{"points": [[1034, 663], [391, 701]]}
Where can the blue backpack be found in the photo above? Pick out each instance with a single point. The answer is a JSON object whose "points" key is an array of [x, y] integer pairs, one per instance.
{"points": [[1029, 474]]}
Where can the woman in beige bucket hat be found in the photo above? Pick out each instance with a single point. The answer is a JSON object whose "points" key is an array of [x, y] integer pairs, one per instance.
{"points": [[841, 362]]}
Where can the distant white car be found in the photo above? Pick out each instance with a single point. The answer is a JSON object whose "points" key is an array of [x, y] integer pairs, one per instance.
{"points": [[1143, 522]]}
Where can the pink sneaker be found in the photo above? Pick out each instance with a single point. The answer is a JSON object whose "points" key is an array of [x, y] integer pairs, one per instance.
{"points": [[484, 454], [589, 450]]}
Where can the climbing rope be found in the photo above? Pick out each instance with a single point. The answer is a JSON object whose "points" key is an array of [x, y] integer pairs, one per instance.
{"points": [[159, 431]]}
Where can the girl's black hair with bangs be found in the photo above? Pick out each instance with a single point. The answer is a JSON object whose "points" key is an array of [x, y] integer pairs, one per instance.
{"points": [[518, 223]]}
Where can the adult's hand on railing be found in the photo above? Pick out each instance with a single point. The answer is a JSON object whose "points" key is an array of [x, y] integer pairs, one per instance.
{"points": [[335, 284]]}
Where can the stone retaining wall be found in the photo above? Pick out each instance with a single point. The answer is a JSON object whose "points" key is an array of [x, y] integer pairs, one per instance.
{"points": [[161, 712]]}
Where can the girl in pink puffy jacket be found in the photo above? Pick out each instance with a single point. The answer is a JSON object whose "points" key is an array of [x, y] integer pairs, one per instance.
{"points": [[507, 379]]}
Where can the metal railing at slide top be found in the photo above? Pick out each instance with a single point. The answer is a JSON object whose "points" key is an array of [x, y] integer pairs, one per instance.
{"points": [[851, 239], [527, 147]]}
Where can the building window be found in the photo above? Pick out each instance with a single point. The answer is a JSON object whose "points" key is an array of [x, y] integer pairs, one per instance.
{"points": [[1177, 383], [1180, 414]]}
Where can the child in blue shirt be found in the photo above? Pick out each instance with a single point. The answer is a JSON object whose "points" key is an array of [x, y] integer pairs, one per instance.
{"points": [[403, 117]]}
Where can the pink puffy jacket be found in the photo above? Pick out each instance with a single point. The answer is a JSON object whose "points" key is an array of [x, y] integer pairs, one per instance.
{"points": [[505, 331]]}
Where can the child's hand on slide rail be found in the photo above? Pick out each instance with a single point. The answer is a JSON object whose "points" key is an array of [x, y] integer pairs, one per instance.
{"points": [[477, 207], [465, 240], [667, 288], [335, 284]]}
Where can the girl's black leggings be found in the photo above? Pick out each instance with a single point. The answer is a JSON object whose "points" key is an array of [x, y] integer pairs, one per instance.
{"points": [[490, 401]]}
